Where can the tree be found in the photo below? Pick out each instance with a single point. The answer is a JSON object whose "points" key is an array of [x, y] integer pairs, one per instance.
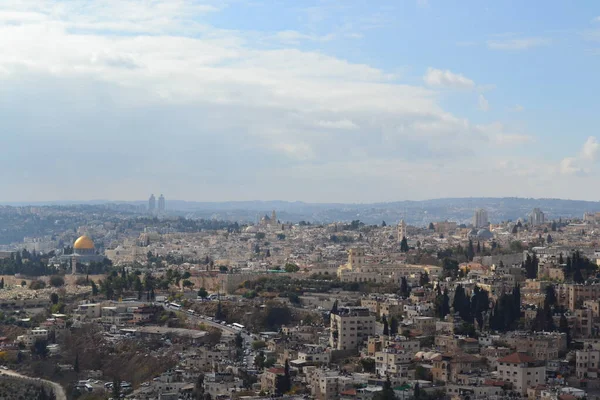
{"points": [[2, 283], [334, 308], [138, 287], [239, 341], [449, 267], [404, 288], [94, 289], [445, 306], [368, 364], [386, 330], [40, 348], [387, 393], [76, 363], [54, 298], [404, 245], [553, 227], [424, 279], [259, 360], [394, 326], [268, 253], [549, 239], [515, 230], [287, 377], [116, 388], [291, 267], [417, 392], [57, 281], [470, 251], [431, 227], [563, 326], [199, 387], [220, 315], [383, 224], [202, 293], [187, 284], [550, 298], [478, 247]]}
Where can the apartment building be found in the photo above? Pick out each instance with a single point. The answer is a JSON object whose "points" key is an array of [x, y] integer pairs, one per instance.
{"points": [[541, 345], [351, 327], [522, 371], [447, 367], [587, 363], [393, 361], [573, 295], [88, 311], [32, 336], [327, 385]]}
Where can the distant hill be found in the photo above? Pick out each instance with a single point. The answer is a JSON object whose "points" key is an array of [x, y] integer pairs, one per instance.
{"points": [[413, 212]]}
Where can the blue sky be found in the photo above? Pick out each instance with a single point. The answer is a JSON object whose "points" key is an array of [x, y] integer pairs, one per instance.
{"points": [[353, 101]]}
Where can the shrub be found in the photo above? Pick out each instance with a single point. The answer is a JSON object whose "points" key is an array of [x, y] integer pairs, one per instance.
{"points": [[57, 281], [37, 284]]}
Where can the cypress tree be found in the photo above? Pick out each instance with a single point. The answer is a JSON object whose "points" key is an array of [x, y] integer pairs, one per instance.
{"points": [[445, 304], [404, 288], [394, 326], [563, 327], [386, 330], [404, 245], [458, 302]]}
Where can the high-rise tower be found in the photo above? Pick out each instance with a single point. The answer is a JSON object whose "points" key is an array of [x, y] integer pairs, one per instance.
{"points": [[161, 204], [401, 230], [480, 218], [152, 204]]}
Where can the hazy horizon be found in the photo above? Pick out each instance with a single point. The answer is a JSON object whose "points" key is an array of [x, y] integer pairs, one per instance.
{"points": [[314, 100], [145, 201]]}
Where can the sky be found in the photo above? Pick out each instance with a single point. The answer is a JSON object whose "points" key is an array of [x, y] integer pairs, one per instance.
{"points": [[311, 100]]}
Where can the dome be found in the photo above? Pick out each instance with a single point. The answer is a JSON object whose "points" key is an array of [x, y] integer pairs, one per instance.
{"points": [[485, 234], [83, 243]]}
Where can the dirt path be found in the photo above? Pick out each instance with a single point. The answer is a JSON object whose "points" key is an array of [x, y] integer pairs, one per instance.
{"points": [[58, 390]]}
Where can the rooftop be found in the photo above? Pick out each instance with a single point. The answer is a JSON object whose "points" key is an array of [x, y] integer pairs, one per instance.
{"points": [[517, 358]]}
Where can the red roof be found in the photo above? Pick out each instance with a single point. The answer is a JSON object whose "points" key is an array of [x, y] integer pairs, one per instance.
{"points": [[494, 382], [349, 392], [517, 358], [277, 371]]}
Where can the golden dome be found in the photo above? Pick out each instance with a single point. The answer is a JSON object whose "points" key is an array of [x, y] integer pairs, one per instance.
{"points": [[83, 243]]}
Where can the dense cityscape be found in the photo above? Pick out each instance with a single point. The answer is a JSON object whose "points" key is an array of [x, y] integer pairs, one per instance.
{"points": [[299, 199], [146, 304]]}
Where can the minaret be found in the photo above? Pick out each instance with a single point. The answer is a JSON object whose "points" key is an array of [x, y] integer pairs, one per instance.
{"points": [[401, 230], [273, 218]]}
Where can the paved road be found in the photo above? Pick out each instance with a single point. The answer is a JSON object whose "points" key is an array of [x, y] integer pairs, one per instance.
{"points": [[59, 392], [197, 319]]}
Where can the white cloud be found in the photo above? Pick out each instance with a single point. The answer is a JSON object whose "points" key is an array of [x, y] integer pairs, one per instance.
{"points": [[583, 162], [597, 19], [159, 81], [569, 166], [590, 149], [484, 104], [508, 139], [518, 43], [341, 124], [498, 134], [446, 78], [517, 108]]}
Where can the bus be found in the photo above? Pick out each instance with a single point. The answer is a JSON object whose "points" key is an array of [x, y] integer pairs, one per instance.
{"points": [[175, 306], [238, 326]]}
